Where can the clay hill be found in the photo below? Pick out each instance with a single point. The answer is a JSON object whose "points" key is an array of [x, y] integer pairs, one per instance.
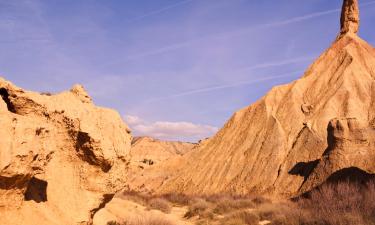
{"points": [[299, 135], [150, 151], [61, 157]]}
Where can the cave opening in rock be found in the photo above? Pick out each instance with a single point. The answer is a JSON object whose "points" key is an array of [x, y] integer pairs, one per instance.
{"points": [[5, 96], [36, 190]]}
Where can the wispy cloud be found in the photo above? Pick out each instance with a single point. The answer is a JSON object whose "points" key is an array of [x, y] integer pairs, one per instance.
{"points": [[226, 86], [187, 43], [169, 130], [158, 11], [278, 63]]}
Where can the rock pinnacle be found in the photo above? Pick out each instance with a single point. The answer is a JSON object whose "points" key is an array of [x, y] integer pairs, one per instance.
{"points": [[349, 17]]}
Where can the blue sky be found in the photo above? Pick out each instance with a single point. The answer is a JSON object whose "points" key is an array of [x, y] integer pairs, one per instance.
{"points": [[175, 69]]}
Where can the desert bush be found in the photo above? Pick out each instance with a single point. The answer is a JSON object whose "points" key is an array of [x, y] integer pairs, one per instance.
{"points": [[160, 204], [145, 220], [199, 207], [227, 205], [241, 217], [113, 223], [177, 198], [342, 204], [136, 197], [46, 93], [259, 200], [282, 213]]}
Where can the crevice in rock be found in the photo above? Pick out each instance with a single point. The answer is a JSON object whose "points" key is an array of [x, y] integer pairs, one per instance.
{"points": [[84, 147], [106, 198], [36, 190], [5, 96]]}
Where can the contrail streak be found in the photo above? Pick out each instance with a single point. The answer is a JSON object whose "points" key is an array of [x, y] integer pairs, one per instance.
{"points": [[277, 63], [225, 86], [159, 11]]}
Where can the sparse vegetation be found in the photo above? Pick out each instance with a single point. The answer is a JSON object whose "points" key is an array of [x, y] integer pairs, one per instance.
{"points": [[178, 199], [342, 204], [244, 217], [144, 220], [331, 204], [227, 205], [160, 204], [46, 93], [148, 162], [199, 207]]}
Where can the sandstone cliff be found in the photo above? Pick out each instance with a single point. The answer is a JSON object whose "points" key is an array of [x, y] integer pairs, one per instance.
{"points": [[61, 157], [281, 145]]}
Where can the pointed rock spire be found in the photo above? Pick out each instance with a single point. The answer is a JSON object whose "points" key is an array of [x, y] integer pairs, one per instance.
{"points": [[349, 17]]}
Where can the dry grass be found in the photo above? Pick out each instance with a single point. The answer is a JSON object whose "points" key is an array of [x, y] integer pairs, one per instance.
{"points": [[227, 205], [144, 220], [136, 197], [160, 204], [333, 204], [199, 207], [241, 218], [176, 198], [342, 204]]}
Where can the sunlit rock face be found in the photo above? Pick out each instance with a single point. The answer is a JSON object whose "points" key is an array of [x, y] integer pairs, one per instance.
{"points": [[61, 157]]}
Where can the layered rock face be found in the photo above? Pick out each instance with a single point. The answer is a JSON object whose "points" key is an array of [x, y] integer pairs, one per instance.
{"points": [[151, 151], [278, 146], [61, 157]]}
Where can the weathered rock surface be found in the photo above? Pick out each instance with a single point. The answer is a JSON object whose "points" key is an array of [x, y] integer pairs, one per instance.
{"points": [[278, 145], [61, 157], [152, 151], [350, 154]]}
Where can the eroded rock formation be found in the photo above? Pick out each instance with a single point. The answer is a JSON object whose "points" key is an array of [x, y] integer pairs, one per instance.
{"points": [[349, 17], [350, 154], [61, 157], [278, 145]]}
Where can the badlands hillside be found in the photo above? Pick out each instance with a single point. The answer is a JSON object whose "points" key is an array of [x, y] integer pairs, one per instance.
{"points": [[61, 157], [151, 151], [299, 135]]}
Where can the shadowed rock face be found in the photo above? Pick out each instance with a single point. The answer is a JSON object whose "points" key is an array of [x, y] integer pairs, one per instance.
{"points": [[280, 145], [61, 157]]}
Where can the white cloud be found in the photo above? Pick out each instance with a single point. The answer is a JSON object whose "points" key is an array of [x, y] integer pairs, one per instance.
{"points": [[132, 120], [185, 131]]}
